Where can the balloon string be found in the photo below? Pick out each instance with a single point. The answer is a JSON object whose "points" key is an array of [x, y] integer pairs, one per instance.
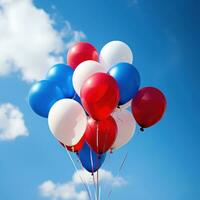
{"points": [[97, 184], [84, 177], [94, 183], [97, 137], [76, 169], [123, 163], [119, 171], [98, 161], [104, 145], [91, 160], [99, 192]]}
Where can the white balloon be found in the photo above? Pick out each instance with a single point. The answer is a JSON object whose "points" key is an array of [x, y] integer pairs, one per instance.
{"points": [[115, 52], [84, 71], [126, 105], [126, 128], [67, 121]]}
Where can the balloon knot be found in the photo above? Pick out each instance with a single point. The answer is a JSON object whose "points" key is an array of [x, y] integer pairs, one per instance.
{"points": [[118, 106], [142, 129], [92, 174]]}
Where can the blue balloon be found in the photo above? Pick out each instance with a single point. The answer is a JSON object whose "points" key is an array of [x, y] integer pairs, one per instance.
{"points": [[90, 160], [62, 74], [128, 79], [43, 95]]}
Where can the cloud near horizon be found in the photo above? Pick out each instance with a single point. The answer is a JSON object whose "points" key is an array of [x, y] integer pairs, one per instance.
{"points": [[69, 190]]}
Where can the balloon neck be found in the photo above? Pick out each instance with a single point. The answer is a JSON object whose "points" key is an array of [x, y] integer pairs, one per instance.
{"points": [[92, 174], [141, 129], [111, 151], [72, 149], [118, 106]]}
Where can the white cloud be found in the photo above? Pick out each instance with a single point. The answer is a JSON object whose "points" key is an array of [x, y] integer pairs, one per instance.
{"points": [[29, 42], [68, 190], [65, 191], [105, 177], [11, 122]]}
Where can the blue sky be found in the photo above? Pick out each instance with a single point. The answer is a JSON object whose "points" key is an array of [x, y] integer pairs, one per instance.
{"points": [[164, 162]]}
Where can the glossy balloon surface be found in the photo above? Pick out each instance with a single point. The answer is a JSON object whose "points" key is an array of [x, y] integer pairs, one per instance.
{"points": [[148, 106], [83, 72], [67, 121], [43, 95], [101, 135], [128, 80], [77, 147], [61, 75], [80, 52], [100, 95], [115, 52], [90, 160], [126, 125]]}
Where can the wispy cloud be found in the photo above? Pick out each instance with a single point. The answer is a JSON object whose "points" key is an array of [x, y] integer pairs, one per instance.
{"points": [[11, 122], [71, 35], [69, 190], [30, 44]]}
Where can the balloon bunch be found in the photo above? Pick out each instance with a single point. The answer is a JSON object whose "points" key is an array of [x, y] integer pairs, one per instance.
{"points": [[86, 101]]}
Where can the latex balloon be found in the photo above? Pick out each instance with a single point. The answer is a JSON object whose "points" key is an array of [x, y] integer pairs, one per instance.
{"points": [[100, 95], [83, 72], [90, 160], [43, 95], [100, 135], [67, 121], [148, 106], [62, 74], [115, 52], [80, 52], [128, 79], [77, 147], [126, 128]]}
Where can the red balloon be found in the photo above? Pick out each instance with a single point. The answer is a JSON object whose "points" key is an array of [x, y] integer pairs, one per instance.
{"points": [[100, 95], [76, 147], [80, 52], [148, 106], [100, 135]]}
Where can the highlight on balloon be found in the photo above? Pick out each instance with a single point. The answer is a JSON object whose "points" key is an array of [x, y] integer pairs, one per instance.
{"points": [[94, 102]]}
